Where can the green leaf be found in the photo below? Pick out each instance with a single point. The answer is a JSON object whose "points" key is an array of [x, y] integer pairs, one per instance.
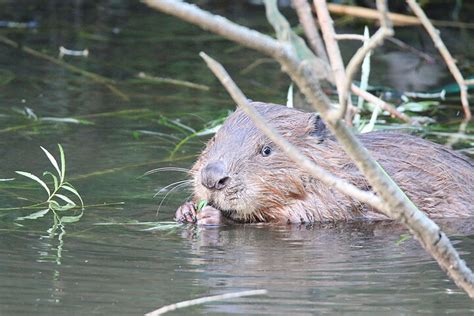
{"points": [[66, 199], [52, 160], [35, 178], [34, 215], [63, 162], [421, 106], [289, 96], [71, 219], [67, 186], [403, 238], [55, 179], [55, 206], [202, 204]]}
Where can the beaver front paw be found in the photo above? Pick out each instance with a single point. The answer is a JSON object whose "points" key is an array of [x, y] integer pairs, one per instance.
{"points": [[210, 216], [186, 213]]}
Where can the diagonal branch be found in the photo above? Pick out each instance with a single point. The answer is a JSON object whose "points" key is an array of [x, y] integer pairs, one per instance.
{"points": [[443, 50], [288, 148], [310, 28], [377, 39]]}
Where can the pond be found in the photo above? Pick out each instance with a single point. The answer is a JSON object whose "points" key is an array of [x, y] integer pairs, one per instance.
{"points": [[114, 131]]}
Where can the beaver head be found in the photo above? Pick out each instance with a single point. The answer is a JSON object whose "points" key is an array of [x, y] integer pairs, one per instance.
{"points": [[240, 171]]}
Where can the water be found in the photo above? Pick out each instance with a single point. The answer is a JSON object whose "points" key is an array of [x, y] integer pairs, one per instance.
{"points": [[124, 269]]}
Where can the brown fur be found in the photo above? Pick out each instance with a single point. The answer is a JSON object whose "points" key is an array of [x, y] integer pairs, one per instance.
{"points": [[274, 189]]}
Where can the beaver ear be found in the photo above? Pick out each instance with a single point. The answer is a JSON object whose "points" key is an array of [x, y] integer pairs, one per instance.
{"points": [[317, 127]]}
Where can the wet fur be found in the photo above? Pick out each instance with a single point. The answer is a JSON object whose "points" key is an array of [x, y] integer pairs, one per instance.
{"points": [[274, 189]]}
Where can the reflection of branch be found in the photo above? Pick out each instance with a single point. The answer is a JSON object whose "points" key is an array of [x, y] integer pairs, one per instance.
{"points": [[288, 148], [438, 42], [310, 28], [396, 204], [356, 60], [97, 78]]}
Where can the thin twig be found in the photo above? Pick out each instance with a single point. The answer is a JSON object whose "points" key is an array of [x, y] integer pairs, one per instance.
{"points": [[203, 300], [469, 82], [380, 103], [97, 78], [395, 41], [353, 37], [403, 45], [438, 42], [288, 148], [356, 60], [255, 64], [310, 28]]}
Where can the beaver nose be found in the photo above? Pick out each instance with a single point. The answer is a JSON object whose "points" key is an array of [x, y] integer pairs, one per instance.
{"points": [[214, 177]]}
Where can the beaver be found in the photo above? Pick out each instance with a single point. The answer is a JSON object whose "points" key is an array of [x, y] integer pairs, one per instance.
{"points": [[247, 179]]}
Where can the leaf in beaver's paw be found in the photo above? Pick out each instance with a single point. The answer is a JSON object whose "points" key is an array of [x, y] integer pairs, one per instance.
{"points": [[202, 204]]}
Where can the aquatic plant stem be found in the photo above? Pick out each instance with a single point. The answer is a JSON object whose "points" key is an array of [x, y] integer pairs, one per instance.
{"points": [[203, 300], [443, 50], [109, 83], [396, 204]]}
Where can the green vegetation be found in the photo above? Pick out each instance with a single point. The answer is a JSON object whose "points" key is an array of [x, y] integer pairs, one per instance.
{"points": [[58, 201]]}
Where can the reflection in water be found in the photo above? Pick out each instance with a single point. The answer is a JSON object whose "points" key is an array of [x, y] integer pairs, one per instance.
{"points": [[347, 267]]}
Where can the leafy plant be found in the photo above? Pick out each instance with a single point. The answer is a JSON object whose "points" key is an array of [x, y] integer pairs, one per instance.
{"points": [[58, 200]]}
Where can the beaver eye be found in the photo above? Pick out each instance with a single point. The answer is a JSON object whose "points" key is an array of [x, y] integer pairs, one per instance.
{"points": [[266, 151]]}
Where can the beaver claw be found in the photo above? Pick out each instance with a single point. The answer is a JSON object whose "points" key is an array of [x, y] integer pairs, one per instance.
{"points": [[209, 215], [186, 213]]}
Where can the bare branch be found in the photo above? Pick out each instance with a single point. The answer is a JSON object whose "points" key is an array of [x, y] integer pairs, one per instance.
{"points": [[203, 300], [380, 103], [288, 148], [355, 37], [438, 42], [356, 60], [397, 19], [327, 28], [310, 28]]}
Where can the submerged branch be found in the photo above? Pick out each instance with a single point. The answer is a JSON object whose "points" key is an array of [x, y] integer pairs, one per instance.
{"points": [[443, 50], [109, 83], [203, 300], [175, 82]]}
